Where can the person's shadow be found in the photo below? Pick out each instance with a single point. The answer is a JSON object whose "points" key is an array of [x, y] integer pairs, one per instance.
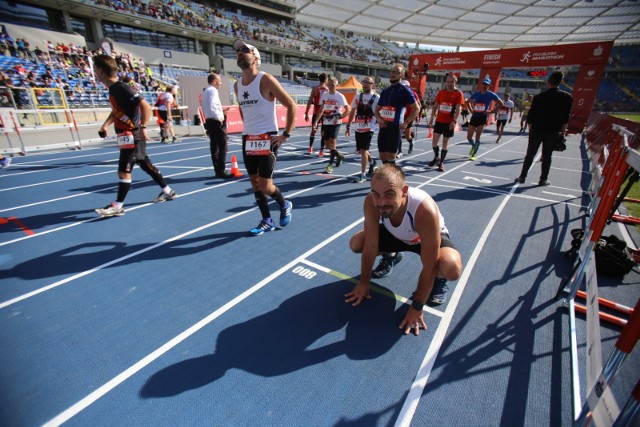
{"points": [[303, 331]]}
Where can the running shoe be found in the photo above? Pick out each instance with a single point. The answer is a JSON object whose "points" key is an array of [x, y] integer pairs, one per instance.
{"points": [[360, 178], [321, 153], [472, 158], [498, 140], [433, 162], [5, 162], [110, 210], [285, 213], [339, 160], [472, 152], [329, 169], [310, 150], [163, 197], [441, 167], [439, 291], [519, 180], [544, 182], [386, 265], [410, 148], [265, 225], [372, 166], [175, 140]]}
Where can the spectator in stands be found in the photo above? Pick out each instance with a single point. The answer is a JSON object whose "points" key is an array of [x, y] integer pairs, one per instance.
{"points": [[548, 120]]}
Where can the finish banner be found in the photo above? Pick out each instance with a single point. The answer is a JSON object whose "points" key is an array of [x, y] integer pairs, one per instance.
{"points": [[590, 57]]}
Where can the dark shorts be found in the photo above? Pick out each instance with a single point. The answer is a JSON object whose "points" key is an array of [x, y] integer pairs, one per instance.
{"points": [[263, 166], [443, 129], [130, 156], [330, 131], [363, 140], [501, 123], [389, 139], [163, 116], [387, 242], [477, 121]]}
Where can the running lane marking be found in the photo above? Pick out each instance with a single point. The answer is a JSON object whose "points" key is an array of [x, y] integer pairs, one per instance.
{"points": [[374, 288], [126, 374], [420, 382], [148, 248]]}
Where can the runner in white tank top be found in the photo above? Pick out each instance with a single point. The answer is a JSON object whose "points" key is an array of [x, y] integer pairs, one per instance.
{"points": [[257, 92], [411, 221]]}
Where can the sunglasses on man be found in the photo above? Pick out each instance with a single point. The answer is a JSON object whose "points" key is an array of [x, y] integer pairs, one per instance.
{"points": [[244, 49]]}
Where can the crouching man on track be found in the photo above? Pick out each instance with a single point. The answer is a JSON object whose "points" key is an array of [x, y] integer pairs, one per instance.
{"points": [[398, 218]]}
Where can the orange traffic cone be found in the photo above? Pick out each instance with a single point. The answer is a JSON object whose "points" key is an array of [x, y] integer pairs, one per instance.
{"points": [[430, 132], [235, 172]]}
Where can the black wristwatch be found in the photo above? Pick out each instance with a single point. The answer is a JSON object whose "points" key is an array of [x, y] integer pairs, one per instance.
{"points": [[286, 134], [417, 305]]}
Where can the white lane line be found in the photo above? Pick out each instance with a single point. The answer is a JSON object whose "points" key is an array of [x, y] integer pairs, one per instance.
{"points": [[417, 388], [141, 251], [374, 287], [128, 373], [93, 174]]}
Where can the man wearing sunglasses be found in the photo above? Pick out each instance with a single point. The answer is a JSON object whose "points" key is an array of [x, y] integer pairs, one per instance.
{"points": [[257, 92]]}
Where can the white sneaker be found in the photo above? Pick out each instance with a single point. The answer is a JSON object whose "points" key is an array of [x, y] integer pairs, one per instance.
{"points": [[109, 211]]}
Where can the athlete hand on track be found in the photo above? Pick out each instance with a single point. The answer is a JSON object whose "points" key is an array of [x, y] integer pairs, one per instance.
{"points": [[360, 292], [413, 320]]}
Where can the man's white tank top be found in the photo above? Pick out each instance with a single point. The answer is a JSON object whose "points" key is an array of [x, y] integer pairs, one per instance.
{"points": [[406, 230], [258, 113]]}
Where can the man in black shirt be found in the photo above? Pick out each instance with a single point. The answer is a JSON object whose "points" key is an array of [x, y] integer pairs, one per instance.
{"points": [[548, 119], [129, 115]]}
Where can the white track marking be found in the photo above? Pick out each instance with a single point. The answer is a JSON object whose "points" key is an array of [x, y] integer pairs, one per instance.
{"points": [[128, 373]]}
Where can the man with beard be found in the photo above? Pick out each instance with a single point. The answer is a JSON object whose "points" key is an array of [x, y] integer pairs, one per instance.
{"points": [[390, 114], [257, 92], [400, 218]]}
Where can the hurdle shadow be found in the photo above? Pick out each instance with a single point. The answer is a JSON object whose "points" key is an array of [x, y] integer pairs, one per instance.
{"points": [[257, 345], [515, 328]]}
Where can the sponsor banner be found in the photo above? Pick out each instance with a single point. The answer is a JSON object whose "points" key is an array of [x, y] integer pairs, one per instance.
{"points": [[528, 57], [584, 95]]}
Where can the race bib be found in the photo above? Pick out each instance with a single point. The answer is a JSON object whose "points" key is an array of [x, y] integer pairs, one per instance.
{"points": [[258, 145], [388, 113], [445, 108], [362, 124], [479, 108], [503, 114], [125, 141]]}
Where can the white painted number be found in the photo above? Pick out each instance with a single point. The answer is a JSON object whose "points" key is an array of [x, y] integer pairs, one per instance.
{"points": [[483, 181], [304, 272]]}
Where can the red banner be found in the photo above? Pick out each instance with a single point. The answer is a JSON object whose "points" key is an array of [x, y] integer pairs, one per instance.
{"points": [[591, 57]]}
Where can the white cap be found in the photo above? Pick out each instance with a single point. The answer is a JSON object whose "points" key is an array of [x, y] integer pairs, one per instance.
{"points": [[239, 43]]}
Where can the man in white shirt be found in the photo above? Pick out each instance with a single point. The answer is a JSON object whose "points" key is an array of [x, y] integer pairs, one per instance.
{"points": [[331, 113], [505, 113], [215, 125], [362, 108]]}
